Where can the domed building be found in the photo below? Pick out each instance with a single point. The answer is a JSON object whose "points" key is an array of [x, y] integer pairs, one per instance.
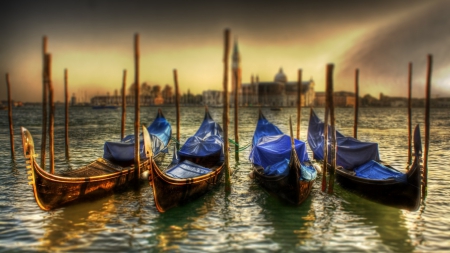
{"points": [[278, 93]]}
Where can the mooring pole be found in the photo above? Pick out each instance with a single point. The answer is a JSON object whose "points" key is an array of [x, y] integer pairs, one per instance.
{"points": [[427, 125], [325, 147], [137, 171], [225, 110], [409, 113], [299, 102], [355, 122], [124, 104], [236, 78], [44, 102], [330, 92], [177, 105], [11, 129], [51, 127], [66, 93]]}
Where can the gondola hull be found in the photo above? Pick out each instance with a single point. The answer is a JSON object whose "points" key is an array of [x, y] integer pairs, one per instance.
{"points": [[403, 195], [294, 193], [169, 192], [269, 148], [52, 191], [97, 179]]}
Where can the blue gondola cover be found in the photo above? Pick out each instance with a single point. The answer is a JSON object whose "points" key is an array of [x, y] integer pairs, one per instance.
{"points": [[123, 151], [272, 149], [351, 152], [375, 170], [206, 141], [187, 169]]}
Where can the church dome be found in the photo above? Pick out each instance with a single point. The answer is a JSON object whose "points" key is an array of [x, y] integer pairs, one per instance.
{"points": [[280, 77]]}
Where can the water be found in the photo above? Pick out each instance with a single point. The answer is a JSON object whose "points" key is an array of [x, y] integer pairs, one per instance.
{"points": [[248, 219]]}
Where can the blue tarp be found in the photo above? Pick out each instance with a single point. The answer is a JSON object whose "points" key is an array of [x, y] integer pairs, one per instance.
{"points": [[206, 141], [375, 170], [350, 152], [272, 151], [307, 173], [123, 151], [187, 169]]}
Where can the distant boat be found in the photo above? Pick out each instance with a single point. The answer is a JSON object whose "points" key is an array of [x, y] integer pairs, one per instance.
{"points": [[275, 109], [105, 107]]}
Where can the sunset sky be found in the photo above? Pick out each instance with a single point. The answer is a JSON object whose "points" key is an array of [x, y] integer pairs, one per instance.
{"points": [[94, 41]]}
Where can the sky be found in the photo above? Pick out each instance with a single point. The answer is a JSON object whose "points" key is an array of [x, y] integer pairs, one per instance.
{"points": [[94, 41]]}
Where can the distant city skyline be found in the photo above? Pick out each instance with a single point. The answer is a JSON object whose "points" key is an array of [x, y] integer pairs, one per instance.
{"points": [[94, 41]]}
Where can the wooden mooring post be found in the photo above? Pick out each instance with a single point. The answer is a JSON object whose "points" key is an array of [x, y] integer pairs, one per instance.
{"points": [[51, 127], [66, 118], [44, 102], [330, 68], [409, 114], [325, 148], [11, 129], [355, 121], [299, 102], [177, 105], [124, 104], [225, 110], [137, 168], [427, 125]]}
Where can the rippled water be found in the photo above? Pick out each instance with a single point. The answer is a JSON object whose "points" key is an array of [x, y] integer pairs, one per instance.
{"points": [[247, 219]]}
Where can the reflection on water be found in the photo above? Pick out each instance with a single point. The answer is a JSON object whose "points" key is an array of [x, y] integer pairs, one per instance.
{"points": [[247, 219]]}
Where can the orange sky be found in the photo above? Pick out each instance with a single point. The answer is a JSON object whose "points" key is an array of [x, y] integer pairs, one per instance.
{"points": [[94, 41]]}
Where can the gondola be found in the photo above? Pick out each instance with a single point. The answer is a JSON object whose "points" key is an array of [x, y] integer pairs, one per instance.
{"points": [[360, 169], [195, 169], [279, 165], [96, 179]]}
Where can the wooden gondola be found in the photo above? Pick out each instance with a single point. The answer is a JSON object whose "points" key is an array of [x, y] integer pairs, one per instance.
{"points": [[96, 179], [198, 166], [395, 188], [269, 141]]}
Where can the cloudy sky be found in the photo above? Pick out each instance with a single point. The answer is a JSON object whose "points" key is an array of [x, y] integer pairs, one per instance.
{"points": [[94, 41]]}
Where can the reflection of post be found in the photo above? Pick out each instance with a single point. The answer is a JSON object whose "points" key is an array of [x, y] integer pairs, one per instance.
{"points": [[44, 102], [299, 102], [11, 129], [66, 133], [225, 110], [330, 92], [124, 104], [51, 127], [177, 105], [137, 170], [409, 113], [355, 122], [427, 125]]}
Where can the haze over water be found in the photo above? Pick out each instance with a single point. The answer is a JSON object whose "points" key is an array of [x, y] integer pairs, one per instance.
{"points": [[249, 219]]}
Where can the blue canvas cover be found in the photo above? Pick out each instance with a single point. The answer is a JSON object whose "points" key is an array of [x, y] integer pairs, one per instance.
{"points": [[264, 128], [187, 169], [375, 170], [350, 151], [206, 141], [273, 149], [123, 151]]}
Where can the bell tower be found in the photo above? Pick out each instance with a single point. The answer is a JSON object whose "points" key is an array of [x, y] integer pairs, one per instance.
{"points": [[236, 70]]}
